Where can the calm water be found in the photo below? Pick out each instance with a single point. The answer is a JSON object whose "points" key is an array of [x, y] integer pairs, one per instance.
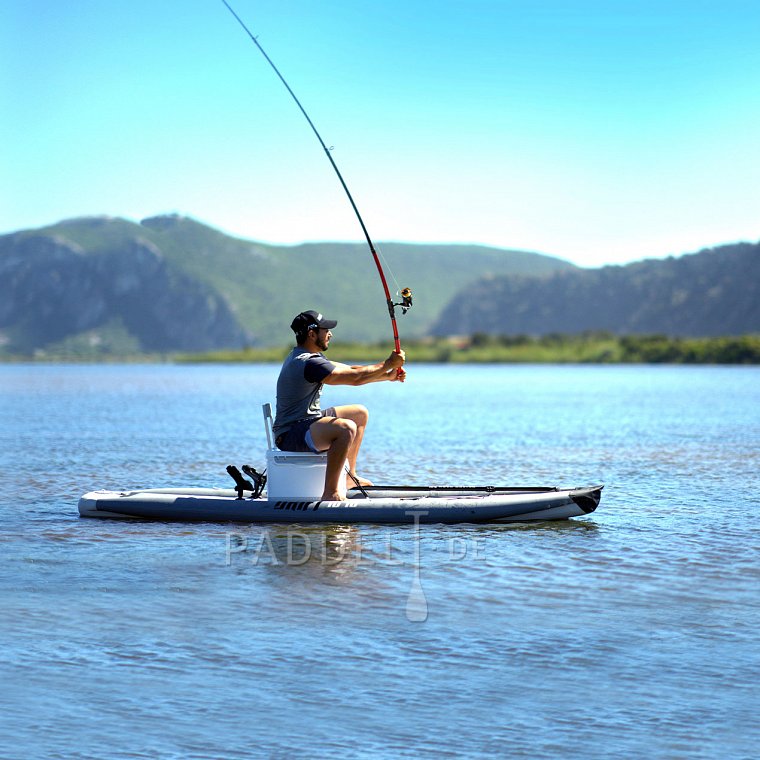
{"points": [[632, 632]]}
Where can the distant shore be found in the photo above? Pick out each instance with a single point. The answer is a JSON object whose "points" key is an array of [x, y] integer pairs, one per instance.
{"points": [[596, 348], [591, 348]]}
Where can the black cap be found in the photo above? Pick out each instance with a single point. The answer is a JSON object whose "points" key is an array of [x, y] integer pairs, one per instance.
{"points": [[311, 320]]}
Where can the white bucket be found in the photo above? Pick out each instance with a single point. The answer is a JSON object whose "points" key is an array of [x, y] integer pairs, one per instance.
{"points": [[297, 475]]}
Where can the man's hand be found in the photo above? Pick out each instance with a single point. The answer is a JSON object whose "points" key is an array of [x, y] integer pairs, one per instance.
{"points": [[395, 360]]}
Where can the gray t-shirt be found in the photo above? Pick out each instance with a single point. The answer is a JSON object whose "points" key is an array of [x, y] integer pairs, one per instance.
{"points": [[299, 387]]}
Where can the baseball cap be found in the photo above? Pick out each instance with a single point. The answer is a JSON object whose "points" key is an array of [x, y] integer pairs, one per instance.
{"points": [[311, 320]]}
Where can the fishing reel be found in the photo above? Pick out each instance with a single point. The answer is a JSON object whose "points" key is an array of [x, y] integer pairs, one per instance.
{"points": [[406, 300]]}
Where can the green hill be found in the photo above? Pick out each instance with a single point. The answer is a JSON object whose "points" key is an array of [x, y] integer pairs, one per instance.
{"points": [[170, 283]]}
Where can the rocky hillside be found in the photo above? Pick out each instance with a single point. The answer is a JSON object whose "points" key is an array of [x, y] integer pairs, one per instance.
{"points": [[711, 293], [51, 288]]}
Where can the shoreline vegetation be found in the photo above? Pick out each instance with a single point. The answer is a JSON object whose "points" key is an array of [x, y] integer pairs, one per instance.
{"points": [[586, 348]]}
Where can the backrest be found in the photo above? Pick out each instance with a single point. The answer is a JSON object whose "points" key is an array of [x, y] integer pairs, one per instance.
{"points": [[268, 424]]}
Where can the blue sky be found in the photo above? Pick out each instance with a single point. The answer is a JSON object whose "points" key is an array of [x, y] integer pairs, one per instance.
{"points": [[602, 132]]}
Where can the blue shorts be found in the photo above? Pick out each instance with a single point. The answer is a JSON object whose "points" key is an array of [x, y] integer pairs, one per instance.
{"points": [[298, 437]]}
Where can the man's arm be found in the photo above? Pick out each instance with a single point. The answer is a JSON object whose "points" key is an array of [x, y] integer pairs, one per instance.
{"points": [[343, 374]]}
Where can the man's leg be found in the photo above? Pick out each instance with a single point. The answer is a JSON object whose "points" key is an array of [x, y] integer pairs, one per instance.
{"points": [[336, 436], [359, 415]]}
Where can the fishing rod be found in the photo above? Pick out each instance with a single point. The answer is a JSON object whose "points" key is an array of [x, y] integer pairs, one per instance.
{"points": [[406, 293]]}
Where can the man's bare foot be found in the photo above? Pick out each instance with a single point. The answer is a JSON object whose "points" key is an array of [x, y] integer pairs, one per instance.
{"points": [[333, 496], [362, 481]]}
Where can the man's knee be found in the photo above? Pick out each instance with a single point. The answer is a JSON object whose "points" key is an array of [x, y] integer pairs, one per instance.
{"points": [[356, 412], [361, 415], [346, 430]]}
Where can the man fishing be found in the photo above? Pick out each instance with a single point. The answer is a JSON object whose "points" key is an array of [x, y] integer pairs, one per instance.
{"points": [[300, 424]]}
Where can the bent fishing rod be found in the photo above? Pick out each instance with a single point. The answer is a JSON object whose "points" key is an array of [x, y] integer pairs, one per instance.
{"points": [[406, 293]]}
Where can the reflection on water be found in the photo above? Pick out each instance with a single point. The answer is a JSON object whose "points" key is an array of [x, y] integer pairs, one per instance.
{"points": [[334, 552], [333, 548]]}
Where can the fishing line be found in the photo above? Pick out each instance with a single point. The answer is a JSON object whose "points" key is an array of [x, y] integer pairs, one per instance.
{"points": [[389, 269], [406, 293]]}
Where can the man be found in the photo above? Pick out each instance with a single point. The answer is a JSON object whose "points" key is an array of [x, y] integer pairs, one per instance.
{"points": [[300, 424]]}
